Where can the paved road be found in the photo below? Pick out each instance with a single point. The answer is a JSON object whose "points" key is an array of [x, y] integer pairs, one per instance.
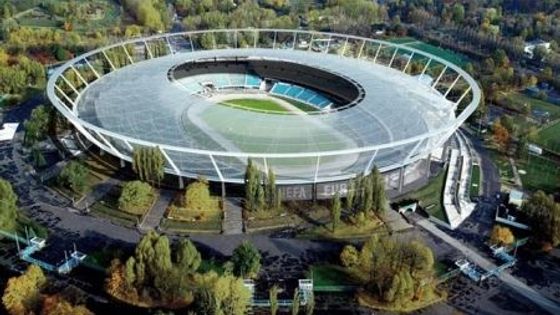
{"points": [[152, 219], [233, 217], [487, 265]]}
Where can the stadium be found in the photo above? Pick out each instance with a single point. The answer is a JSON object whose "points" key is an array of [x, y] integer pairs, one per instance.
{"points": [[314, 107]]}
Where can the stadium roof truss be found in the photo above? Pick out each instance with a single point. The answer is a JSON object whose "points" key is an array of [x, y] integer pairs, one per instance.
{"points": [[374, 132]]}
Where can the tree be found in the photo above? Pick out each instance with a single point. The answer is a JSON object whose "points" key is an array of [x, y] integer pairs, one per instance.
{"points": [[23, 294], [37, 126], [501, 236], [251, 185], [458, 13], [270, 190], [187, 256], [148, 163], [378, 190], [74, 176], [57, 305], [295, 302], [350, 195], [544, 217], [501, 136], [222, 295], [335, 211], [273, 298], [349, 257], [198, 198], [8, 207], [310, 306], [261, 201], [135, 197], [246, 260]]}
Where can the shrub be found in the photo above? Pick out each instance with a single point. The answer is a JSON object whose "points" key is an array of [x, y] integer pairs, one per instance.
{"points": [[135, 197]]}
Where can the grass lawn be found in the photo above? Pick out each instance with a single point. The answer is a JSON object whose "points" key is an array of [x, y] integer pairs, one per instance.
{"points": [[504, 166], [541, 174], [475, 181], [517, 101], [213, 225], [346, 230], [431, 197], [331, 278], [108, 207], [256, 104], [550, 137], [443, 53]]}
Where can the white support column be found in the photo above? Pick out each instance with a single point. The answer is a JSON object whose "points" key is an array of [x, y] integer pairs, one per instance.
{"points": [[408, 62], [265, 163], [462, 97], [173, 166], [413, 151], [148, 50], [92, 68], [274, 40], [439, 77], [65, 96], [79, 75], [108, 144], [295, 41], [370, 163], [214, 41], [402, 171], [452, 86], [127, 54], [317, 169], [217, 168], [190, 41], [128, 145], [256, 37], [393, 57], [311, 41], [377, 53], [171, 52], [69, 84], [328, 45], [362, 48], [344, 47], [108, 60], [425, 69]]}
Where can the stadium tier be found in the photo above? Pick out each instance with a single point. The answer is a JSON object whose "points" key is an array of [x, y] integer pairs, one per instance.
{"points": [[375, 109], [300, 94]]}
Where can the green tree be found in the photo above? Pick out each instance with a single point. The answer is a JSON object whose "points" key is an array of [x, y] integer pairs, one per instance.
{"points": [[271, 194], [148, 163], [36, 127], [273, 298], [225, 295], [378, 191], [544, 217], [252, 184], [8, 207], [23, 294], [350, 195], [335, 211], [198, 198], [135, 197], [349, 257], [295, 302], [74, 176], [246, 260], [310, 306], [261, 200], [187, 257]]}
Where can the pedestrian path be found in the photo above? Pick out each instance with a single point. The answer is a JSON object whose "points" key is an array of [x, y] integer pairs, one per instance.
{"points": [[233, 217], [152, 218], [514, 283]]}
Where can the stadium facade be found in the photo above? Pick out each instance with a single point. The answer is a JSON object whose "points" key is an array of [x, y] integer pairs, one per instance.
{"points": [[366, 102]]}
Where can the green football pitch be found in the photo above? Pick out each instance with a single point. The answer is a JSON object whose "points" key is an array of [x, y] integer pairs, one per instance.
{"points": [[256, 104]]}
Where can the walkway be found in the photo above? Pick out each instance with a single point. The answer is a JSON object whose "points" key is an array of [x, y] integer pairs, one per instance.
{"points": [[233, 217], [97, 193], [152, 218], [516, 176], [518, 286]]}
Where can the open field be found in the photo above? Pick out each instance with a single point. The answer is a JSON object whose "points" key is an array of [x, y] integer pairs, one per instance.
{"points": [[517, 101], [542, 174], [475, 181], [446, 54], [550, 137], [256, 104]]}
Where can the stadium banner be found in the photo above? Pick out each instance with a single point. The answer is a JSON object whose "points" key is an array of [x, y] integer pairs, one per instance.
{"points": [[305, 192], [328, 190]]}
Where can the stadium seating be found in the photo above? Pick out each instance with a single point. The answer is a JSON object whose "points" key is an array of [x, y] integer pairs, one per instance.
{"points": [[300, 94], [193, 84]]}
